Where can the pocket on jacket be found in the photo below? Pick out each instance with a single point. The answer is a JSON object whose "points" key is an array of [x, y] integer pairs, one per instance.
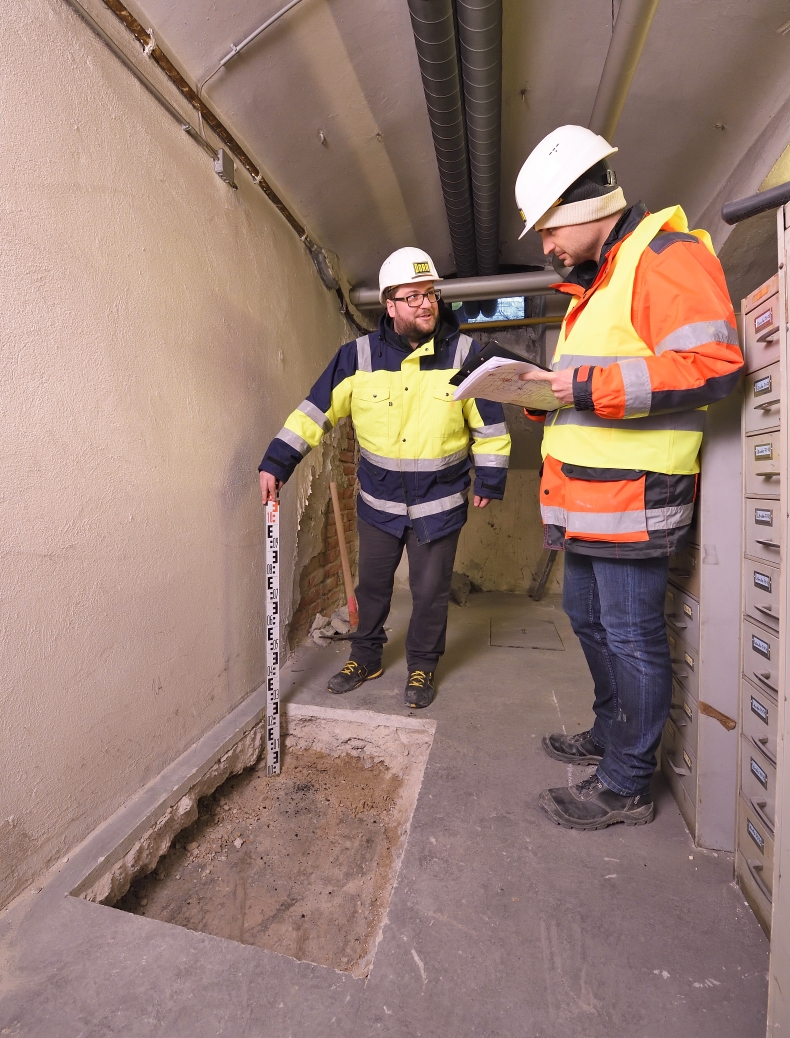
{"points": [[370, 411]]}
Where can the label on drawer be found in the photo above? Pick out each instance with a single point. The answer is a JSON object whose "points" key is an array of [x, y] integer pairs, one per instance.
{"points": [[762, 581], [687, 759], [688, 711], [764, 516], [689, 660], [759, 774], [763, 451], [758, 709], [672, 643], [765, 318], [688, 611], [761, 646], [762, 385], [755, 836]]}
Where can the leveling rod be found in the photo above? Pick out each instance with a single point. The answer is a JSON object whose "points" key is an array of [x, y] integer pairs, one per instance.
{"points": [[272, 638]]}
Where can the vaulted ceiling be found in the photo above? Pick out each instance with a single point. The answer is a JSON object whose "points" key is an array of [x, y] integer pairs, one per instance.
{"points": [[329, 102]]}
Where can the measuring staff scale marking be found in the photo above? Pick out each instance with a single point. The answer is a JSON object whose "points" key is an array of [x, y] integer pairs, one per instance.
{"points": [[272, 638]]}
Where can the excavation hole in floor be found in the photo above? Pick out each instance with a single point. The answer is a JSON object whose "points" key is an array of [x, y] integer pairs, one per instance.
{"points": [[303, 863], [525, 634]]}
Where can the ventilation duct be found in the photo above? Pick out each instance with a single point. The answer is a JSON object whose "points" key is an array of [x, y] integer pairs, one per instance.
{"points": [[480, 38], [434, 36]]}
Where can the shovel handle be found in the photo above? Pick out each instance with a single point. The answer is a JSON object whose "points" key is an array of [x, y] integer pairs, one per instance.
{"points": [[353, 616]]}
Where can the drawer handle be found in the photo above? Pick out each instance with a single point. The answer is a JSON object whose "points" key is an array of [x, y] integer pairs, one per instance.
{"points": [[767, 544], [766, 405], [762, 746], [769, 334], [768, 475], [681, 722], [680, 572], [764, 679], [680, 673], [757, 807], [755, 868], [767, 610], [676, 623], [676, 769]]}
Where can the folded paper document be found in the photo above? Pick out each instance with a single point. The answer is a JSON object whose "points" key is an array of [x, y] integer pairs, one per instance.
{"points": [[497, 379]]}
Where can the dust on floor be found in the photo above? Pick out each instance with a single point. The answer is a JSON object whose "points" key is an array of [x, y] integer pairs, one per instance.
{"points": [[299, 864]]}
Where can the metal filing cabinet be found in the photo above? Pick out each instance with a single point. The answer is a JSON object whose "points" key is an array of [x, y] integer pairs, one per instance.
{"points": [[699, 751], [761, 599]]}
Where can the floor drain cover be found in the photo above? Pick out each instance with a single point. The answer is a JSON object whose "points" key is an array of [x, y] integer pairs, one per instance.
{"points": [[532, 634]]}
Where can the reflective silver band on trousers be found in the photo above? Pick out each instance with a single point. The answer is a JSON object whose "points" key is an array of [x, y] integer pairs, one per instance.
{"points": [[680, 421], [414, 464], [315, 414], [670, 518], [443, 504], [294, 440], [363, 354]]}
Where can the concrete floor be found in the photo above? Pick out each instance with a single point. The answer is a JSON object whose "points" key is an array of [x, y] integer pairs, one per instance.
{"points": [[501, 924]]}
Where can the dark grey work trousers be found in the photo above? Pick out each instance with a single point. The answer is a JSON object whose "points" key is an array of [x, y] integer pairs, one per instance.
{"points": [[430, 572]]}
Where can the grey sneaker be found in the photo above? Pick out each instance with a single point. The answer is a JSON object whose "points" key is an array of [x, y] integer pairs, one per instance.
{"points": [[573, 749], [592, 805]]}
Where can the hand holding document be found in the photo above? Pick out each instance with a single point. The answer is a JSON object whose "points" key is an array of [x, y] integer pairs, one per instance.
{"points": [[498, 379]]}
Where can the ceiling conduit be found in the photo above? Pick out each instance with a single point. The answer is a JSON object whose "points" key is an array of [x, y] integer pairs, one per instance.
{"points": [[434, 36], [480, 37]]}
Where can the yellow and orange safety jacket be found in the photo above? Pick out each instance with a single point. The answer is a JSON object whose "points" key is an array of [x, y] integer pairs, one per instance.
{"points": [[652, 341]]}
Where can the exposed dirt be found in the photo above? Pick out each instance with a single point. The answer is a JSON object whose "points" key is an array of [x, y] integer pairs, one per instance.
{"points": [[300, 864]]}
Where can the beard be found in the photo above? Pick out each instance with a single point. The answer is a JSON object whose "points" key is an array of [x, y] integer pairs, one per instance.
{"points": [[415, 328]]}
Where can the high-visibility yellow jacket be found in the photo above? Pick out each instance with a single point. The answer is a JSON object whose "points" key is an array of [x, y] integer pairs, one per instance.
{"points": [[652, 341], [414, 439]]}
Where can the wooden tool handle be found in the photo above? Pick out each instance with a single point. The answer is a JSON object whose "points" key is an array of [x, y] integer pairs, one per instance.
{"points": [[353, 616]]}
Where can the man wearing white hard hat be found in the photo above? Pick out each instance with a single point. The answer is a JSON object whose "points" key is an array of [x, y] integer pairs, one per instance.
{"points": [[417, 446], [648, 341]]}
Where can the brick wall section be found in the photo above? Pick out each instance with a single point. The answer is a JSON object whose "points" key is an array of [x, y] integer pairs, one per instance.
{"points": [[321, 581]]}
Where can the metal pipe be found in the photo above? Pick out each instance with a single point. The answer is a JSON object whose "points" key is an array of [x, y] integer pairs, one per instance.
{"points": [[523, 322], [456, 290], [625, 49], [742, 208], [237, 49], [434, 36], [480, 38]]}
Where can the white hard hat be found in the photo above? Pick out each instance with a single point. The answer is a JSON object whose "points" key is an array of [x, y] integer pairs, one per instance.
{"points": [[404, 266], [553, 166]]}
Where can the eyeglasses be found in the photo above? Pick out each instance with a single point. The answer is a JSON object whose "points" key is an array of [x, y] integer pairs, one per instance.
{"points": [[415, 299]]}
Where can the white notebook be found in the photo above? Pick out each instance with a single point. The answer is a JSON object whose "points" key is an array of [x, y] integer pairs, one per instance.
{"points": [[498, 380]]}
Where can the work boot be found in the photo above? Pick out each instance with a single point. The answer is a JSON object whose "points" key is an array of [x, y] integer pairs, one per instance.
{"points": [[352, 676], [592, 805], [419, 689], [573, 749]]}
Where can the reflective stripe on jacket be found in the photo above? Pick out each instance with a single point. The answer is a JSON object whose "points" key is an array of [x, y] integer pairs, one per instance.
{"points": [[414, 438], [652, 342]]}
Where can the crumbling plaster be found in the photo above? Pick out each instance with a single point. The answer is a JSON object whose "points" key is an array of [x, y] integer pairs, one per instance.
{"points": [[157, 326]]}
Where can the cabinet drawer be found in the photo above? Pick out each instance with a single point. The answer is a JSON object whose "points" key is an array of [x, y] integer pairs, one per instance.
{"points": [[761, 657], [684, 663], [682, 614], [761, 332], [762, 464], [762, 400], [756, 845], [761, 593], [759, 720], [683, 714], [762, 530], [679, 762], [758, 784], [684, 569], [760, 903]]}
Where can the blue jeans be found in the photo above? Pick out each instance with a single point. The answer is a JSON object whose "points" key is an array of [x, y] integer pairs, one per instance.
{"points": [[616, 609]]}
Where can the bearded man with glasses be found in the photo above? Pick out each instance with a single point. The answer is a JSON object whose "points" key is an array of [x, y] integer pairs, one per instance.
{"points": [[417, 446]]}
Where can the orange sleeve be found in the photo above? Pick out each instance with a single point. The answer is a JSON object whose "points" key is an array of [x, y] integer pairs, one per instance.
{"points": [[681, 309]]}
